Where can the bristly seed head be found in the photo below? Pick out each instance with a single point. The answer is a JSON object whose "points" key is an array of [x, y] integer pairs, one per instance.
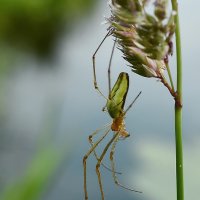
{"points": [[145, 39]]}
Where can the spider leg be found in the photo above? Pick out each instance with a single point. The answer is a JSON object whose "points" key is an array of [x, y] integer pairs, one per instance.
{"points": [[95, 154], [85, 160], [94, 64], [109, 68], [113, 167], [99, 163], [132, 103]]}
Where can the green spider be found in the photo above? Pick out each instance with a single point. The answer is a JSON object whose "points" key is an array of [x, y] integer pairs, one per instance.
{"points": [[115, 107]]}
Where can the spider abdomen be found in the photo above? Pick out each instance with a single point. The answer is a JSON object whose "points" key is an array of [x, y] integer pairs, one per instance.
{"points": [[117, 96]]}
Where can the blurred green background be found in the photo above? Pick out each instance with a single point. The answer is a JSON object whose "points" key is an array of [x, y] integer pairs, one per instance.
{"points": [[35, 26], [48, 106]]}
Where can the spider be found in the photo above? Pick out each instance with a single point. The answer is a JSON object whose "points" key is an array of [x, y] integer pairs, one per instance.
{"points": [[115, 108]]}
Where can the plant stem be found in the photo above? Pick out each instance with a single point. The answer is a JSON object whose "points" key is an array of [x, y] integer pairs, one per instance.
{"points": [[179, 154], [178, 111], [170, 77]]}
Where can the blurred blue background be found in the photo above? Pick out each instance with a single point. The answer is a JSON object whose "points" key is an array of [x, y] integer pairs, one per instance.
{"points": [[48, 106]]}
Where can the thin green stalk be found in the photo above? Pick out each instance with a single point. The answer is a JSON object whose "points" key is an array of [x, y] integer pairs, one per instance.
{"points": [[178, 111], [179, 153], [170, 77]]}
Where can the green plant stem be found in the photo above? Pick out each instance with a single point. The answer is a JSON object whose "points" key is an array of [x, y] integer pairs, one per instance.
{"points": [[170, 77], [179, 154], [178, 111]]}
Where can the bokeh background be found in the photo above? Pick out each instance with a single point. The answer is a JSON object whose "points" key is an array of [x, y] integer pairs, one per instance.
{"points": [[48, 106]]}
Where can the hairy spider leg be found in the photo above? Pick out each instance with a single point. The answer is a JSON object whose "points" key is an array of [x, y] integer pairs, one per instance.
{"points": [[132, 103], [90, 139], [86, 157], [113, 167], [109, 68], [100, 160], [94, 64], [95, 154]]}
